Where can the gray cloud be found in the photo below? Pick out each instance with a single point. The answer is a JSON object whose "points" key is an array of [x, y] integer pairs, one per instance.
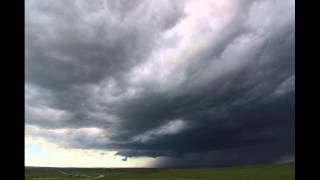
{"points": [[151, 78]]}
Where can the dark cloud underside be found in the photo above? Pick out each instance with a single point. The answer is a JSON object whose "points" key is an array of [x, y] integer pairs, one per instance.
{"points": [[148, 78]]}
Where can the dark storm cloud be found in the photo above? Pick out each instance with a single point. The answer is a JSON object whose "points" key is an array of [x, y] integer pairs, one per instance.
{"points": [[130, 77], [75, 45]]}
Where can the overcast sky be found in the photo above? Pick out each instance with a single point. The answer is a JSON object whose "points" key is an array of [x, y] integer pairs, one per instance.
{"points": [[159, 83]]}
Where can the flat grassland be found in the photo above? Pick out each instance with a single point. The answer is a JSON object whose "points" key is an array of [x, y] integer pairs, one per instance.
{"points": [[253, 172]]}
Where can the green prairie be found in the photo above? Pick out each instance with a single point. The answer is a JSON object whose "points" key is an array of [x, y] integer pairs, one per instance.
{"points": [[252, 172]]}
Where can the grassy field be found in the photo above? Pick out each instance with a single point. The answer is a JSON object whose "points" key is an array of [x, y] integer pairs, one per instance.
{"points": [[257, 172]]}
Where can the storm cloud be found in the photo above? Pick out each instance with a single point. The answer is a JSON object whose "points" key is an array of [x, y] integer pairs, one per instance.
{"points": [[197, 82]]}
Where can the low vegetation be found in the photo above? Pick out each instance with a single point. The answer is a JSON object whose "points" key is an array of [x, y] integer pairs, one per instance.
{"points": [[253, 172]]}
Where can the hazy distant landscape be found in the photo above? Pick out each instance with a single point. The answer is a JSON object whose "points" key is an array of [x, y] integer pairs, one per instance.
{"points": [[254, 172]]}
